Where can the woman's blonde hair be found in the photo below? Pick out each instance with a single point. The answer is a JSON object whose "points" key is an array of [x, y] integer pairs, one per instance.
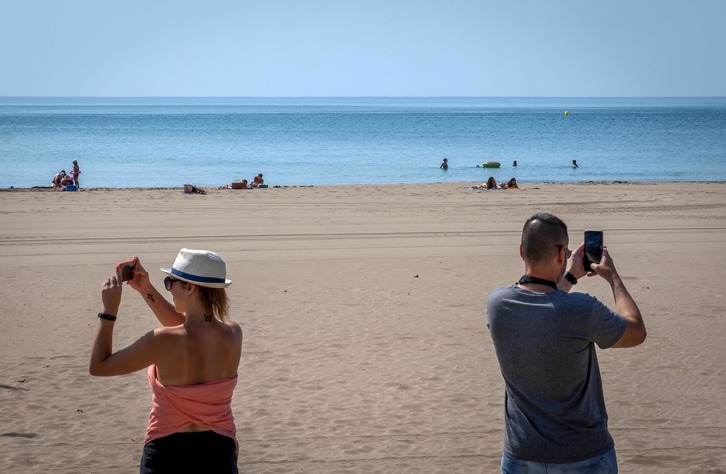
{"points": [[215, 301]]}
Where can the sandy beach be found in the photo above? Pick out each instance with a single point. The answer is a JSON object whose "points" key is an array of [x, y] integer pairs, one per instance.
{"points": [[363, 308]]}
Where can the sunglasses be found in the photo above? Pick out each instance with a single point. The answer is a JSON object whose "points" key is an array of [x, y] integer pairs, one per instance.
{"points": [[169, 281], [567, 254]]}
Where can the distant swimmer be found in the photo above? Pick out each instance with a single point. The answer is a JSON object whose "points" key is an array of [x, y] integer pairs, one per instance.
{"points": [[445, 164], [514, 163], [574, 164]]}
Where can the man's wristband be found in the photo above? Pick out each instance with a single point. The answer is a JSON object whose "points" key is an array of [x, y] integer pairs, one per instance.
{"points": [[571, 278], [107, 317]]}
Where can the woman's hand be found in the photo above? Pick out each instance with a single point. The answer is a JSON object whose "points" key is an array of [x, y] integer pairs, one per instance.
{"points": [[140, 282], [111, 295]]}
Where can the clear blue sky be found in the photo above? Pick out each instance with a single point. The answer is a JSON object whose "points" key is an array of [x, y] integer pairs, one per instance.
{"points": [[363, 48]]}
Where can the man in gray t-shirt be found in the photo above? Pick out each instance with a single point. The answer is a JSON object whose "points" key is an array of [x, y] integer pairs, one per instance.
{"points": [[545, 338]]}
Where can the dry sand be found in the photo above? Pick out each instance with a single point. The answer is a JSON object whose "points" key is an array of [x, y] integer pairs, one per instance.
{"points": [[363, 307]]}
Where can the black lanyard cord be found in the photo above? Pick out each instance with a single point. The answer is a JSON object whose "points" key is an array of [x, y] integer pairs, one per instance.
{"points": [[530, 279]]}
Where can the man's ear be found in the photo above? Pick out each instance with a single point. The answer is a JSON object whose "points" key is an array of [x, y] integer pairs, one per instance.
{"points": [[561, 252], [521, 252]]}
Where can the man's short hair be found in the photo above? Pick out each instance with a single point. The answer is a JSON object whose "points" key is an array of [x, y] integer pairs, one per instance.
{"points": [[542, 236]]}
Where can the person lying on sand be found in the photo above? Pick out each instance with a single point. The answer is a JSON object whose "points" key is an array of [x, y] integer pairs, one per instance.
{"points": [[512, 183]]}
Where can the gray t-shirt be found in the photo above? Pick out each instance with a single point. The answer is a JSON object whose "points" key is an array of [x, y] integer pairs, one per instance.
{"points": [[554, 405]]}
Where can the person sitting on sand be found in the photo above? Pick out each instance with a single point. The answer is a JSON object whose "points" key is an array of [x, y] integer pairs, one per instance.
{"points": [[257, 181], [445, 164], [491, 183], [191, 363], [512, 183], [58, 179]]}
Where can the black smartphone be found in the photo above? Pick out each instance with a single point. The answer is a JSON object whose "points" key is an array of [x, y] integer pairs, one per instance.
{"points": [[593, 248], [125, 270]]}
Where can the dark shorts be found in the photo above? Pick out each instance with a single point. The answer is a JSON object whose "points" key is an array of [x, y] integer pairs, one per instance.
{"points": [[198, 452]]}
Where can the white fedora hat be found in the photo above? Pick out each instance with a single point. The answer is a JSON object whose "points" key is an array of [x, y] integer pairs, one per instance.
{"points": [[201, 267]]}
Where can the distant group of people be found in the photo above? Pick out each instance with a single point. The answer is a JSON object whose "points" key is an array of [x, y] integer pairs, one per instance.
{"points": [[257, 182], [491, 183], [445, 164], [62, 179]]}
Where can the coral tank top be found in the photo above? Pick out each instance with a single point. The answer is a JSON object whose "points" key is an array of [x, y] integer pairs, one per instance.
{"points": [[173, 408]]}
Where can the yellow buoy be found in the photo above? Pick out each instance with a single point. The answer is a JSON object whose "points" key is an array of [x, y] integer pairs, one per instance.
{"points": [[566, 113]]}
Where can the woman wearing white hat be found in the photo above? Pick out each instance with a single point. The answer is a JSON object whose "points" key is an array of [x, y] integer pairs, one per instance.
{"points": [[191, 363]]}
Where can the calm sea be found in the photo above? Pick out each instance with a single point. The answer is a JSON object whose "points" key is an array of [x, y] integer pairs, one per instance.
{"points": [[151, 142]]}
